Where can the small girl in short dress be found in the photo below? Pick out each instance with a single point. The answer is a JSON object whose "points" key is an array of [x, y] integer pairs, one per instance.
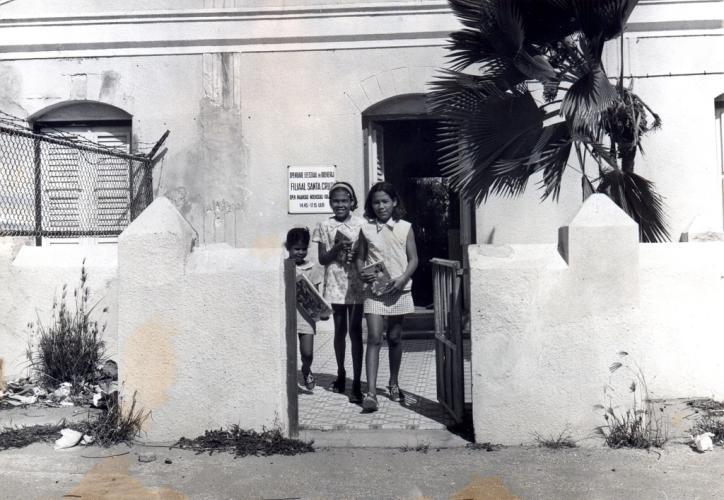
{"points": [[336, 238], [386, 237], [297, 244]]}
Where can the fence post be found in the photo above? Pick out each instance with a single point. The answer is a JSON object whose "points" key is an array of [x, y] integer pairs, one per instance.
{"points": [[38, 193], [290, 301], [130, 191]]}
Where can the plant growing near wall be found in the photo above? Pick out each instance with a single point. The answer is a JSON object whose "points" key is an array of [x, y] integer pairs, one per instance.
{"points": [[635, 426], [526, 86], [70, 347]]}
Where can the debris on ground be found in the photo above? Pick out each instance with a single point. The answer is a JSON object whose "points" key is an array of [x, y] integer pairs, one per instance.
{"points": [[703, 442], [483, 446], [708, 405], [245, 442], [20, 437], [146, 457], [69, 438], [100, 394]]}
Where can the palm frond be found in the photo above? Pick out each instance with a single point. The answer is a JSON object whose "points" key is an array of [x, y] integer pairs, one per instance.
{"points": [[468, 47], [636, 196], [547, 21], [468, 12]]}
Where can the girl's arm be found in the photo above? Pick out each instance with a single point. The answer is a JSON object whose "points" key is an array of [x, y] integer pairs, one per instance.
{"points": [[411, 250], [327, 257]]}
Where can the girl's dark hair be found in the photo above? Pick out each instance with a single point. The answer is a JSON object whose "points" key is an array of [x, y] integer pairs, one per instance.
{"points": [[397, 213], [297, 235], [347, 188]]}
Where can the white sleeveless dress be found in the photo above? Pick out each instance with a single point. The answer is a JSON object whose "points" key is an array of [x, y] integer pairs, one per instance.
{"points": [[387, 242]]}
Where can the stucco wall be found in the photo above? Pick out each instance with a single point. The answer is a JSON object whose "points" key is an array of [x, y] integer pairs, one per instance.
{"points": [[201, 335], [33, 277], [546, 328]]}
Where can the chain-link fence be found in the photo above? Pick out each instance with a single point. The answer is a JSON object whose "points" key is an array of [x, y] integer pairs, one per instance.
{"points": [[60, 187]]}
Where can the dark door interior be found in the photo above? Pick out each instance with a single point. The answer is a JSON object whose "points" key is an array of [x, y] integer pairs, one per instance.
{"points": [[412, 165]]}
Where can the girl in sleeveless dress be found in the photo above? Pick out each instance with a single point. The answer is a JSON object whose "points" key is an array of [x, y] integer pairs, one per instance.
{"points": [[385, 238]]}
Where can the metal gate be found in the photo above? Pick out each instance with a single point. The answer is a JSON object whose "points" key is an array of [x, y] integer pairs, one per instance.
{"points": [[447, 288]]}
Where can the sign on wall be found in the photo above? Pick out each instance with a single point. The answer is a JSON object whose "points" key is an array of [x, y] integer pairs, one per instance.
{"points": [[309, 189]]}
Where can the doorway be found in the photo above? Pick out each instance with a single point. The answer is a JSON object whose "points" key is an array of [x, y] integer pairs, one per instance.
{"points": [[400, 147]]}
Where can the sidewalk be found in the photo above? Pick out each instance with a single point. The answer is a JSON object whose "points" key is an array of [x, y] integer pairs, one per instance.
{"points": [[323, 409], [600, 473]]}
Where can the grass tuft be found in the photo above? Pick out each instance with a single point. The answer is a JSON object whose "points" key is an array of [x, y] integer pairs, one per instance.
{"points": [[636, 427], [556, 441], [243, 443], [115, 425], [70, 348], [420, 447], [483, 446]]}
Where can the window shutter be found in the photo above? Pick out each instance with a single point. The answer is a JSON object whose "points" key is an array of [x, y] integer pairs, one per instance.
{"points": [[112, 191]]}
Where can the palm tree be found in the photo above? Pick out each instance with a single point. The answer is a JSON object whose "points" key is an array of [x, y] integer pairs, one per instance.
{"points": [[525, 87]]}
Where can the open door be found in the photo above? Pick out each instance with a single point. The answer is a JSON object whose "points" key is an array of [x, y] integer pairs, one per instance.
{"points": [[447, 288]]}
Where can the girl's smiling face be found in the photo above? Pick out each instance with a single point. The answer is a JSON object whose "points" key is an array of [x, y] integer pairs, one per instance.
{"points": [[383, 205], [341, 203], [298, 252]]}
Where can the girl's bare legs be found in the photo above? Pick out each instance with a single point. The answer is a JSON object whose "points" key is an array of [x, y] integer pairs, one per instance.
{"points": [[394, 344], [306, 350], [355, 336], [375, 327], [340, 341]]}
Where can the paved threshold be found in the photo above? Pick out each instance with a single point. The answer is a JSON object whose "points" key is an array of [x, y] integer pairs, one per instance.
{"points": [[412, 440]]}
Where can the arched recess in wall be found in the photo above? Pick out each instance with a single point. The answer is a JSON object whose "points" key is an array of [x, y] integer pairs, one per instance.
{"points": [[719, 126], [101, 188]]}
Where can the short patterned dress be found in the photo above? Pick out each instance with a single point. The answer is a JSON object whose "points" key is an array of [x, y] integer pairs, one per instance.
{"points": [[342, 284], [387, 242]]}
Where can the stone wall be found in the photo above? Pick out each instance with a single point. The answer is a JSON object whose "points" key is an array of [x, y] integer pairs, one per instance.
{"points": [[201, 329], [548, 322]]}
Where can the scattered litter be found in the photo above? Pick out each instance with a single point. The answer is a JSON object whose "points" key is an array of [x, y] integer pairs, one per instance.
{"points": [[703, 442], [69, 439], [167, 461], [22, 400], [147, 457], [63, 391]]}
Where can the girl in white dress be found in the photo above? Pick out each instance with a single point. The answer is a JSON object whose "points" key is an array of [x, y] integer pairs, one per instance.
{"points": [[336, 238], [386, 238]]}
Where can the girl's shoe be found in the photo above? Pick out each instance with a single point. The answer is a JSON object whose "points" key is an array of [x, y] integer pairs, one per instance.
{"points": [[356, 397], [339, 385], [369, 403], [395, 392], [309, 382]]}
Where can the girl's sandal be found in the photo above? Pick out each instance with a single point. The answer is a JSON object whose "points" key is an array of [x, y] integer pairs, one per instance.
{"points": [[339, 385], [369, 403], [394, 392], [356, 397]]}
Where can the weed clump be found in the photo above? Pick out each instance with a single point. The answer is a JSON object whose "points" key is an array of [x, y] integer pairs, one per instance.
{"points": [[420, 447], [708, 423], [243, 443], [70, 348], [636, 427], [483, 446], [556, 441], [115, 425]]}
